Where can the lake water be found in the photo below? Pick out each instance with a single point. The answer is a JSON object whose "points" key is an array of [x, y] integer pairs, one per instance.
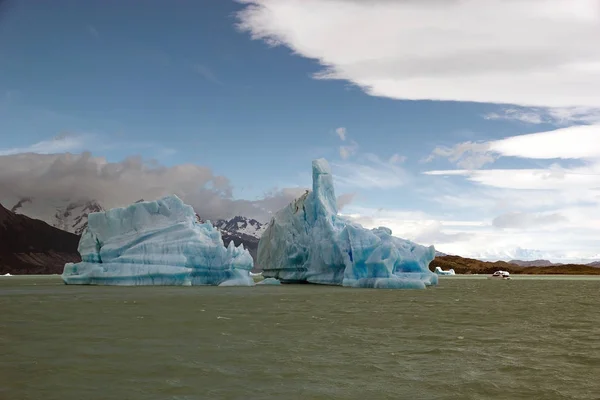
{"points": [[468, 338]]}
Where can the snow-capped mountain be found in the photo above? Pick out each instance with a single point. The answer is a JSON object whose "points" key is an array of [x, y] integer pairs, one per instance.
{"points": [[242, 226], [241, 230], [70, 216]]}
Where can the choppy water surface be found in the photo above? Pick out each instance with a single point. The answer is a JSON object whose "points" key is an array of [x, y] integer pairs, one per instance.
{"points": [[466, 339]]}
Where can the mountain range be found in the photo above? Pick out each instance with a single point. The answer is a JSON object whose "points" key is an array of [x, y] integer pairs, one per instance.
{"points": [[547, 263], [70, 216]]}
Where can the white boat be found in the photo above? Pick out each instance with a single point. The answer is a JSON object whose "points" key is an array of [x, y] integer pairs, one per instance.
{"points": [[500, 275]]}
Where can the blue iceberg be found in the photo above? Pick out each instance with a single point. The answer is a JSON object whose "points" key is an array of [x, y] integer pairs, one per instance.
{"points": [[308, 242], [156, 243]]}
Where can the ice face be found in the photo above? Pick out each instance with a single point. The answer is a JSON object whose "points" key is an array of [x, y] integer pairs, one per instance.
{"points": [[308, 242], [156, 243]]}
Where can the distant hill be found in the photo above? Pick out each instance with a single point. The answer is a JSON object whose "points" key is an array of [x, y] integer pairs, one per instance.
{"points": [[471, 266], [31, 246], [533, 263], [595, 264]]}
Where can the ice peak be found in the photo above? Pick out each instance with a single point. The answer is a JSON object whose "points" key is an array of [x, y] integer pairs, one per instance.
{"points": [[323, 190]]}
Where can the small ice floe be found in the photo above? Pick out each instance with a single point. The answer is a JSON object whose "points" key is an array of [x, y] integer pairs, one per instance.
{"points": [[440, 271], [219, 317], [7, 274]]}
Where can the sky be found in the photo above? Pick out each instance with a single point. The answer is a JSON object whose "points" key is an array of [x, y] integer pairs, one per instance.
{"points": [[470, 125]]}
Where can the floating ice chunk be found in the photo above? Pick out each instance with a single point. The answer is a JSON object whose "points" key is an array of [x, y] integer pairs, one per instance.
{"points": [[7, 274], [440, 271], [269, 281], [308, 242], [156, 243]]}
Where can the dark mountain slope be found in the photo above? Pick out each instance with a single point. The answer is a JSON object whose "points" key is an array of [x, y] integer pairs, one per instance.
{"points": [[31, 246]]}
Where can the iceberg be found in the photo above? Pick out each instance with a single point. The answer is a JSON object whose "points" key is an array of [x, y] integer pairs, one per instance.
{"points": [[156, 243], [440, 271], [308, 242]]}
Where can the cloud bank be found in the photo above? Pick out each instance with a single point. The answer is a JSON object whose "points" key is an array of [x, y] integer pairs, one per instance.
{"points": [[540, 53], [52, 177]]}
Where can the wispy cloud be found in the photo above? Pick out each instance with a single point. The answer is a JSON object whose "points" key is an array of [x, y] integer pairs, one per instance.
{"points": [[367, 170], [348, 150], [556, 116], [60, 144], [527, 116], [397, 159], [468, 155], [370, 172], [8, 98], [207, 73], [341, 132], [92, 31]]}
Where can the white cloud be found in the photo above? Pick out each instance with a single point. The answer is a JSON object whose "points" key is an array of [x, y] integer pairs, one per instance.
{"points": [[530, 52], [539, 179], [341, 132], [574, 142]]}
